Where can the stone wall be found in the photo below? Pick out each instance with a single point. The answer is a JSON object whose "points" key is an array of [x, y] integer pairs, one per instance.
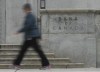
{"points": [[73, 4], [72, 34], [78, 41], [2, 21]]}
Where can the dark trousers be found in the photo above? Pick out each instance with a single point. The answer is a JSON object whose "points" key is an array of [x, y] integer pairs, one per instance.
{"points": [[34, 44]]}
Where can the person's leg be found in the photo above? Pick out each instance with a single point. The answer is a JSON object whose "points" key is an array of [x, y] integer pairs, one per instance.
{"points": [[23, 50], [38, 49]]}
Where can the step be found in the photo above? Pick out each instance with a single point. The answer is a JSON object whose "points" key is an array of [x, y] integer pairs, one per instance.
{"points": [[28, 55], [35, 60], [14, 51], [54, 65], [10, 46]]}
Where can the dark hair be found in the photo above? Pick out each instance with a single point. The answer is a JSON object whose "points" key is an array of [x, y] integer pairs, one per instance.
{"points": [[27, 6]]}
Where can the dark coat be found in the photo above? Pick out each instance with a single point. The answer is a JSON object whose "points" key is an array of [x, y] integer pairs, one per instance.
{"points": [[30, 27]]}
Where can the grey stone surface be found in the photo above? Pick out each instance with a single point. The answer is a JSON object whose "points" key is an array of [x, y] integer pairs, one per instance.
{"points": [[45, 43], [97, 22], [14, 18], [78, 47], [66, 4], [2, 21], [75, 23], [77, 43], [73, 4], [53, 70]]}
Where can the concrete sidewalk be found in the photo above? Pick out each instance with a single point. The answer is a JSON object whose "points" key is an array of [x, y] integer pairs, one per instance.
{"points": [[53, 70]]}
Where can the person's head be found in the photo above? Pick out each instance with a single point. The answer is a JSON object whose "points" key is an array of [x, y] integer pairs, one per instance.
{"points": [[27, 8]]}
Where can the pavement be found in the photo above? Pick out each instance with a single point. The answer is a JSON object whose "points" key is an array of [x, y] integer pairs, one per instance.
{"points": [[53, 70]]}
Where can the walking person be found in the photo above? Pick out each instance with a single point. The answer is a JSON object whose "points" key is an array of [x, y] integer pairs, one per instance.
{"points": [[31, 35]]}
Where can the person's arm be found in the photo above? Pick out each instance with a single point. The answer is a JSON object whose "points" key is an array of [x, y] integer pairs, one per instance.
{"points": [[27, 25]]}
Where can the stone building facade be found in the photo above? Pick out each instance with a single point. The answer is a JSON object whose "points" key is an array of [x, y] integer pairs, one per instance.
{"points": [[70, 28]]}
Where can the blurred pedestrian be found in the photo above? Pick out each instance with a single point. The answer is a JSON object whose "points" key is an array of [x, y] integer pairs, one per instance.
{"points": [[31, 36]]}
